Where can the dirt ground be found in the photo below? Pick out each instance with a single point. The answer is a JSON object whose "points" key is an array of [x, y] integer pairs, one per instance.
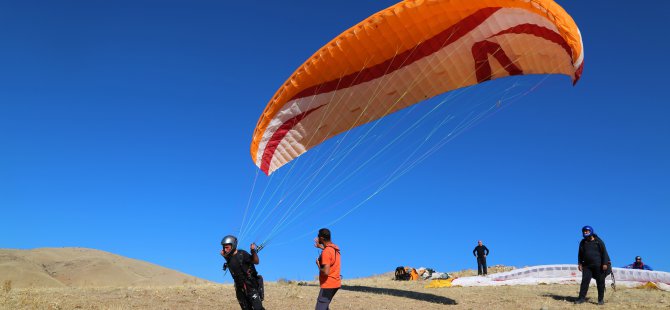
{"points": [[370, 293]]}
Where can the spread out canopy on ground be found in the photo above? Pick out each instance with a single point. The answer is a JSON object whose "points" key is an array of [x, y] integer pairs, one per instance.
{"points": [[564, 274], [406, 53]]}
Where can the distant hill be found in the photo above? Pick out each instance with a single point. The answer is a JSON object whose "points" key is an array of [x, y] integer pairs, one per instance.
{"points": [[82, 267]]}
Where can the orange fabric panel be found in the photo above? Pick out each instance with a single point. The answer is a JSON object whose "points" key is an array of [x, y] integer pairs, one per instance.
{"points": [[398, 29], [413, 275]]}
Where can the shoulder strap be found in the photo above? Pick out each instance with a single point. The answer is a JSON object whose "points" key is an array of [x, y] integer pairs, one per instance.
{"points": [[337, 251], [239, 260], [245, 268]]}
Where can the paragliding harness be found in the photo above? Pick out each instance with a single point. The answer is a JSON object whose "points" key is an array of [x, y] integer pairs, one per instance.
{"points": [[610, 271], [250, 274], [401, 274]]}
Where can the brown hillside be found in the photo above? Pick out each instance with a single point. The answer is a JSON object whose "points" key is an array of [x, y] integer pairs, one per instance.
{"points": [[82, 267]]}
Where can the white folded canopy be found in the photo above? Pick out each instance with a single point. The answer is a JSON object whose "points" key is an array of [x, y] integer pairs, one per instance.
{"points": [[564, 274]]}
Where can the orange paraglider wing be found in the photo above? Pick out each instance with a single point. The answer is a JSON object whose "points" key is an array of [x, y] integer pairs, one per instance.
{"points": [[407, 53]]}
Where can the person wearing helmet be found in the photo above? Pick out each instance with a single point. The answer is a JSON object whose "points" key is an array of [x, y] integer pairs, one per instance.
{"points": [[248, 284], [638, 264], [329, 269], [594, 262]]}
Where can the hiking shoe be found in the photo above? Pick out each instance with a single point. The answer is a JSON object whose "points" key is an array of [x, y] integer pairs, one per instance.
{"points": [[579, 301], [601, 302]]}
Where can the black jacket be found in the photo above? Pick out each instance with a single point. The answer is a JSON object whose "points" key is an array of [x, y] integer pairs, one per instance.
{"points": [[480, 251], [592, 253]]}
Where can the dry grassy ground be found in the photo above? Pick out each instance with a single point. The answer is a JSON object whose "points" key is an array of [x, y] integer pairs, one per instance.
{"points": [[370, 293]]}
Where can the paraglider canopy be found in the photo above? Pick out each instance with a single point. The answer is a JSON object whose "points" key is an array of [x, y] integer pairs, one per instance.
{"points": [[407, 53]]}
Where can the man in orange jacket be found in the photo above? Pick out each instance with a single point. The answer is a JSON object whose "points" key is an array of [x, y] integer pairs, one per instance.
{"points": [[329, 269]]}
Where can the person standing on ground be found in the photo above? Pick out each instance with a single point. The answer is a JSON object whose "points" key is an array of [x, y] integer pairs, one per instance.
{"points": [[593, 261], [480, 252], [329, 269], [242, 269]]}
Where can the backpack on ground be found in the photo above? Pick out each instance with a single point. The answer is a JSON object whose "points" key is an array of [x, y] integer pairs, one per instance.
{"points": [[401, 274]]}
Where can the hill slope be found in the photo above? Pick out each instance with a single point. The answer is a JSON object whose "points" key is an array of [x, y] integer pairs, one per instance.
{"points": [[82, 267]]}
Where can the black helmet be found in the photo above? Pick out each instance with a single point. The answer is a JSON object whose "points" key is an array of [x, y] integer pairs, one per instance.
{"points": [[232, 240]]}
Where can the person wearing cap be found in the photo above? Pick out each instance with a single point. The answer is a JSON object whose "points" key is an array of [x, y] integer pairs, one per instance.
{"points": [[328, 263], [638, 264], [248, 284], [593, 261]]}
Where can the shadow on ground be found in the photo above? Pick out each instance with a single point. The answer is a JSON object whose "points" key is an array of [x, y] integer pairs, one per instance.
{"points": [[561, 297], [400, 293]]}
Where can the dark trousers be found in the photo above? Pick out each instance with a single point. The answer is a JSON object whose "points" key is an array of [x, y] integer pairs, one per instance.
{"points": [[595, 272], [325, 297], [248, 297], [481, 266]]}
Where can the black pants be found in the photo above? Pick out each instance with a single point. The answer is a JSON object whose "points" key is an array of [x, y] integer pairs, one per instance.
{"points": [[325, 297], [248, 297], [481, 266], [595, 272]]}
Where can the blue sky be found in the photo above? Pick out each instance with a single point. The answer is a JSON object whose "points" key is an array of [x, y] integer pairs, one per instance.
{"points": [[125, 126]]}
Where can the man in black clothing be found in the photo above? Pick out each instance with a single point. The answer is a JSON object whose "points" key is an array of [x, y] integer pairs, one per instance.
{"points": [[241, 265], [593, 261], [480, 252]]}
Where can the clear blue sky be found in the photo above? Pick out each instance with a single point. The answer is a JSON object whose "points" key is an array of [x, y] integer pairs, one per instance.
{"points": [[125, 126]]}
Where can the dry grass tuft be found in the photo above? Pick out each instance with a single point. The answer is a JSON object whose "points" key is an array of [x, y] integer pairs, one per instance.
{"points": [[7, 286]]}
